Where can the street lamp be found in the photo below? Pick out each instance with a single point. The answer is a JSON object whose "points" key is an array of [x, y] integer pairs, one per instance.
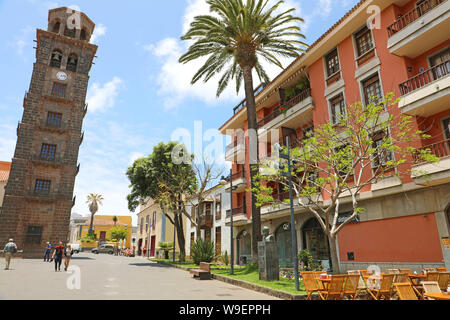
{"points": [[288, 174], [223, 182]]}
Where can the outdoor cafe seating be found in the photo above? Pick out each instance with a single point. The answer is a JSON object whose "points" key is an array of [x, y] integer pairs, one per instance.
{"points": [[398, 284]]}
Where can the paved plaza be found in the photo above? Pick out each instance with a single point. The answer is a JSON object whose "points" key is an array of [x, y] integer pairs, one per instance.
{"points": [[106, 277]]}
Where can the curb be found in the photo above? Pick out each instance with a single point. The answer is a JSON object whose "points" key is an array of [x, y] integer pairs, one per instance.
{"points": [[247, 285]]}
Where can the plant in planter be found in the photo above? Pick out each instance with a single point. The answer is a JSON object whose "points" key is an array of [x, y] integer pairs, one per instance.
{"points": [[166, 247], [203, 251]]}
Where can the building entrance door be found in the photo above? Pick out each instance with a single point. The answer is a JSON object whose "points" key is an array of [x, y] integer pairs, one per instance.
{"points": [[153, 246], [102, 236], [316, 242]]}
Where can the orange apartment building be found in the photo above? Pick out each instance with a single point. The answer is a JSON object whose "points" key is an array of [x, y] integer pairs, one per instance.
{"points": [[407, 220]]}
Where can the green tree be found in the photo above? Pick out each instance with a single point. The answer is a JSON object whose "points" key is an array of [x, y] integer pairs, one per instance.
{"points": [[335, 163], [93, 201], [235, 39], [167, 177], [115, 220], [119, 233]]}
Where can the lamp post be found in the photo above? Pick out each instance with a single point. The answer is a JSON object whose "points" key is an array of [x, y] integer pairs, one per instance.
{"points": [[288, 174], [223, 182]]}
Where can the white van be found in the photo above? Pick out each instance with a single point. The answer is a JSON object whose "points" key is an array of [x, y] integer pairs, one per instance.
{"points": [[76, 247]]}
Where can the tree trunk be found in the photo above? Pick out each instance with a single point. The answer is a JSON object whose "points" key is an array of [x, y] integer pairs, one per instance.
{"points": [[91, 224], [180, 236], [333, 254], [253, 157]]}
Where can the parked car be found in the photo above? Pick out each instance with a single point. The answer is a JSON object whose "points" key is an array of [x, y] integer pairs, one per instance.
{"points": [[76, 247], [104, 248]]}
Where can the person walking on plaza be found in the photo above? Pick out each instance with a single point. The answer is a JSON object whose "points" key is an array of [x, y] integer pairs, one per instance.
{"points": [[48, 250], [57, 255], [9, 251], [68, 252]]}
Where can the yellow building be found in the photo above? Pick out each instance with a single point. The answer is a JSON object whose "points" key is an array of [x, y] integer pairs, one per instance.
{"points": [[102, 229], [154, 227]]}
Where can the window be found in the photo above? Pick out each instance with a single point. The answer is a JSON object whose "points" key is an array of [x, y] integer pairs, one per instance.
{"points": [[34, 235], [332, 62], [364, 41], [42, 186], [338, 110], [83, 34], [147, 222], [372, 90], [54, 119], [142, 225], [48, 151], [154, 220], [55, 59], [59, 89], [381, 155], [308, 132], [219, 207], [72, 63], [441, 62], [56, 27]]}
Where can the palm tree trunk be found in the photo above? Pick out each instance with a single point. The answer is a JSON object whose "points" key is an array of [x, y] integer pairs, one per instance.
{"points": [[91, 224], [253, 157]]}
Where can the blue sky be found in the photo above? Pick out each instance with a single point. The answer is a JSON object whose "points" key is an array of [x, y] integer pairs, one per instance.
{"points": [[138, 94]]}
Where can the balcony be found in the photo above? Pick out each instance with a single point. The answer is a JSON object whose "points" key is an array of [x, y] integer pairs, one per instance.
{"points": [[235, 151], [420, 29], [288, 114], [239, 182], [205, 221], [433, 173], [239, 216], [241, 105], [427, 93]]}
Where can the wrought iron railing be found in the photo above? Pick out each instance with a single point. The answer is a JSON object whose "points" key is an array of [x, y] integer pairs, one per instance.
{"points": [[285, 107], [241, 105], [412, 15], [440, 149], [236, 211], [424, 78]]}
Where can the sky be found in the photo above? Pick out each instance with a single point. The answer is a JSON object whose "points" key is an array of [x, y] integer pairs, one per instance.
{"points": [[138, 95]]}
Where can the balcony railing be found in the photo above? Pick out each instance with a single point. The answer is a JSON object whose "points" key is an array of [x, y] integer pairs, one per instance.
{"points": [[236, 211], [281, 196], [238, 175], [285, 107], [238, 141], [241, 105], [440, 149], [412, 16], [424, 78], [205, 220]]}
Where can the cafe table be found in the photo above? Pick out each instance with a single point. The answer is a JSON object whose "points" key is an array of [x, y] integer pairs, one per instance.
{"points": [[416, 278], [437, 296], [324, 282]]}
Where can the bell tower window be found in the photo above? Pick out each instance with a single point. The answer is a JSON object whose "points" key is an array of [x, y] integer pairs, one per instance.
{"points": [[56, 27], [72, 63], [56, 58], [83, 35]]}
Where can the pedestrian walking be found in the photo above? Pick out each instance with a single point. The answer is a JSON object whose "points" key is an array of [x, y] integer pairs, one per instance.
{"points": [[57, 256], [9, 251], [67, 256], [48, 250]]}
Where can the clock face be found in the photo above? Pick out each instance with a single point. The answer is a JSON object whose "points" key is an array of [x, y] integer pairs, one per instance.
{"points": [[61, 76]]}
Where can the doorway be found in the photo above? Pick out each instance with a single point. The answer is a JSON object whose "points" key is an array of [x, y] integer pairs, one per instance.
{"points": [[152, 246], [283, 236], [316, 242]]}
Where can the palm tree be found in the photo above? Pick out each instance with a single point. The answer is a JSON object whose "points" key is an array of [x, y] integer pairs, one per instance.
{"points": [[235, 40], [93, 200]]}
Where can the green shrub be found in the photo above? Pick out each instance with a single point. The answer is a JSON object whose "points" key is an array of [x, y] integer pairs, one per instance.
{"points": [[203, 251], [308, 263], [225, 258]]}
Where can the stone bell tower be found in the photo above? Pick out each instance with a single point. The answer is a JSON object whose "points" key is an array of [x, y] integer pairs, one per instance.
{"points": [[39, 193]]}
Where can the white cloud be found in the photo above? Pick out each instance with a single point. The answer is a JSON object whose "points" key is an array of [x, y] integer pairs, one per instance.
{"points": [[101, 98], [100, 30], [174, 79]]}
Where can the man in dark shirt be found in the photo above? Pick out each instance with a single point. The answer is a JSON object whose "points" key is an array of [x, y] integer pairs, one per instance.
{"points": [[57, 255]]}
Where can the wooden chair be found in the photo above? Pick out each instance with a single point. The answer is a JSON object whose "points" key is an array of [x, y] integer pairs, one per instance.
{"points": [[335, 287], [351, 286], [362, 286], [317, 275], [309, 280], [408, 271], [404, 278], [385, 289], [443, 280], [441, 269], [432, 276], [431, 287], [405, 291], [430, 269], [393, 271]]}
